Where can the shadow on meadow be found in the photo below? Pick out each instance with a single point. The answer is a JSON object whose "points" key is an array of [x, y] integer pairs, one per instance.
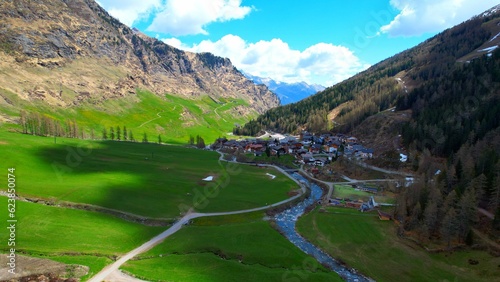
{"points": [[145, 179]]}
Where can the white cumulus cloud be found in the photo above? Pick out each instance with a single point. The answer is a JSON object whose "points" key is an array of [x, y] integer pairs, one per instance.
{"points": [[183, 17], [417, 17], [130, 11], [322, 63]]}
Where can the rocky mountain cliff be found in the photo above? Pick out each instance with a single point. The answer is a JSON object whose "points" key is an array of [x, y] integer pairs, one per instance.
{"points": [[66, 51]]}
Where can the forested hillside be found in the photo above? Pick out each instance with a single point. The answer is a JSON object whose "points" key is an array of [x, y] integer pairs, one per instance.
{"points": [[457, 107], [382, 85]]}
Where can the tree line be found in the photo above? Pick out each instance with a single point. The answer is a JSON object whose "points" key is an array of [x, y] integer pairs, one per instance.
{"points": [[35, 123], [198, 142]]}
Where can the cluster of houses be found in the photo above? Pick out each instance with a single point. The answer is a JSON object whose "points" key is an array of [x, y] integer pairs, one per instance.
{"points": [[304, 147]]}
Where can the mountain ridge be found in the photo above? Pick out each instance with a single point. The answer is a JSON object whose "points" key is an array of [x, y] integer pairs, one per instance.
{"points": [[287, 92], [64, 52]]}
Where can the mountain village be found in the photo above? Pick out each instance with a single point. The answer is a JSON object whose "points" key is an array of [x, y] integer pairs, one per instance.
{"points": [[307, 148]]}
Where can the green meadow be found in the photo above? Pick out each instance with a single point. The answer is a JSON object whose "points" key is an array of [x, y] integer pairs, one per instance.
{"points": [[347, 192], [172, 118], [152, 180], [228, 248], [372, 246], [50, 230], [158, 181], [73, 236]]}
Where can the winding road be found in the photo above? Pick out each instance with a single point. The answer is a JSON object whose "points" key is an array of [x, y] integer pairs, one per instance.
{"points": [[215, 111], [112, 270], [158, 114]]}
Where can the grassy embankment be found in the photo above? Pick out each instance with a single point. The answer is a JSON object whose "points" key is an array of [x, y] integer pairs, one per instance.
{"points": [[372, 246]]}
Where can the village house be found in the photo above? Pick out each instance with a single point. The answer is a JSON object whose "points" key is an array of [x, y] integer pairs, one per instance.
{"points": [[367, 189], [295, 147], [315, 170], [306, 136], [288, 139], [366, 153], [354, 205], [232, 144], [320, 161], [356, 147], [331, 146], [326, 137], [278, 150], [318, 140], [254, 147], [307, 157], [383, 215], [315, 149], [306, 142], [258, 153], [352, 140]]}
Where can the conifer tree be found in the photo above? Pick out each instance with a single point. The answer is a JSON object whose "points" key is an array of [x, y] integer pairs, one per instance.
{"points": [[104, 134], [449, 227]]}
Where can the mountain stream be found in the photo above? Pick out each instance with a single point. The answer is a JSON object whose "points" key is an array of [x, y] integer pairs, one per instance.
{"points": [[286, 221]]}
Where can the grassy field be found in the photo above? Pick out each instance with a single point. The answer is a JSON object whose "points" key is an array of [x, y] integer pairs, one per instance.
{"points": [[347, 192], [245, 187], [372, 246], [145, 179], [228, 248], [73, 236], [52, 230], [172, 117]]}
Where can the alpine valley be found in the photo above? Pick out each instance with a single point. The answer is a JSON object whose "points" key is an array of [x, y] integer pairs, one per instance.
{"points": [[126, 159]]}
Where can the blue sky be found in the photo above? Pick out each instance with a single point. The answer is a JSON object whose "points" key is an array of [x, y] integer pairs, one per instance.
{"points": [[319, 41]]}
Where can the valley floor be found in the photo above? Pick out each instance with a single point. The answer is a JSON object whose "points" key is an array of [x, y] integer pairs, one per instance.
{"points": [[211, 242]]}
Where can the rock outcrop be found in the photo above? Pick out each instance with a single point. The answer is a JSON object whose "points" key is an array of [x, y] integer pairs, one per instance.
{"points": [[66, 51]]}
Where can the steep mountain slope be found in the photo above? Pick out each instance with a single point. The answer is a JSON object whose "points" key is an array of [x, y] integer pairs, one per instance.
{"points": [[287, 92], [379, 87], [63, 52]]}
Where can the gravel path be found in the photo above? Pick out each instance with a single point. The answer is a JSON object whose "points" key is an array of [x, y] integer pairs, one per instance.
{"points": [[118, 276], [158, 114]]}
